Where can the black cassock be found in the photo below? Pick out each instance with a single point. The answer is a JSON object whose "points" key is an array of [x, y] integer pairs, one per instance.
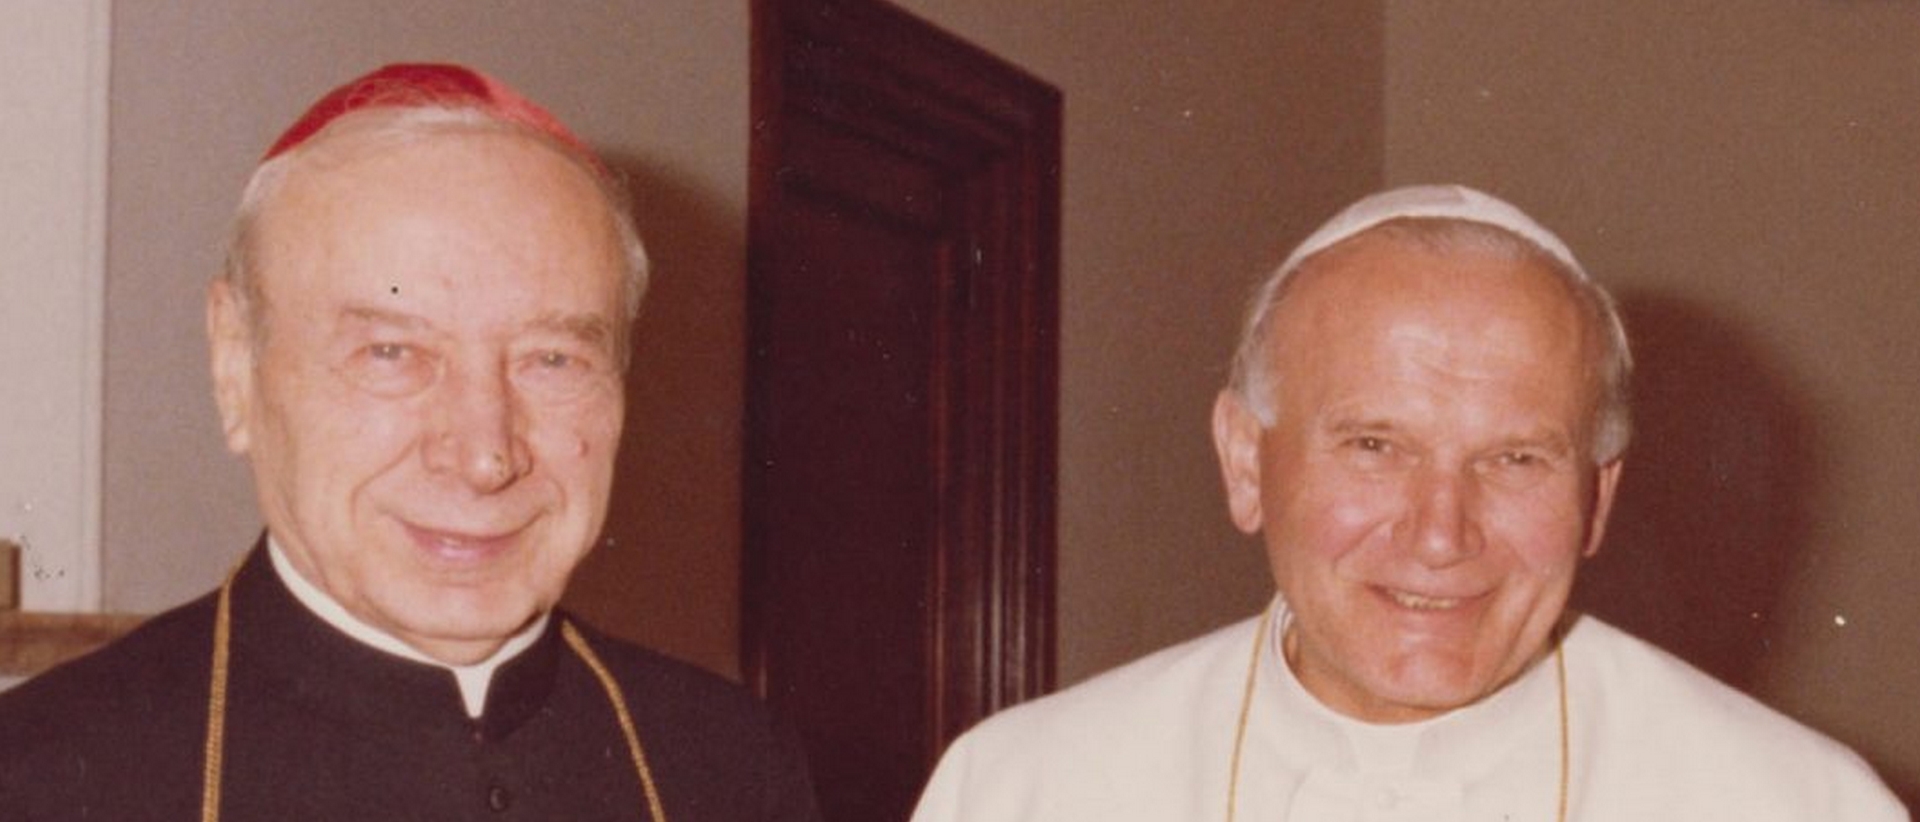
{"points": [[322, 727]]}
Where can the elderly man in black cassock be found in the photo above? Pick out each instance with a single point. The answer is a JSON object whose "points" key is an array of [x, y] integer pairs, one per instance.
{"points": [[419, 343]]}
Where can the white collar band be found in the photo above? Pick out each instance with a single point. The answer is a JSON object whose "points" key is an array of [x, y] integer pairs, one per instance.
{"points": [[474, 680]]}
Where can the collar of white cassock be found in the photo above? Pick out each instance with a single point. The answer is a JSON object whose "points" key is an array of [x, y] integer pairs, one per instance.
{"points": [[1511, 738], [474, 680]]}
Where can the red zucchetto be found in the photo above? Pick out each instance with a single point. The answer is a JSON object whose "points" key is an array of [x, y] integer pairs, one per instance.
{"points": [[411, 85]]}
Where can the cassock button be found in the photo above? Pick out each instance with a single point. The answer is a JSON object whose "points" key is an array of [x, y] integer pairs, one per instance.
{"points": [[499, 798]]}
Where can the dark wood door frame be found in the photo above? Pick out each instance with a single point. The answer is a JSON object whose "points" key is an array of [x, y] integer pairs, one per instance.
{"points": [[842, 85]]}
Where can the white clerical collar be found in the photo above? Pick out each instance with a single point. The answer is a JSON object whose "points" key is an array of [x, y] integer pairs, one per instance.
{"points": [[474, 680], [1464, 741]]}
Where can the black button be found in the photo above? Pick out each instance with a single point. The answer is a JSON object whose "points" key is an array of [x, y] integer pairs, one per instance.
{"points": [[499, 799]]}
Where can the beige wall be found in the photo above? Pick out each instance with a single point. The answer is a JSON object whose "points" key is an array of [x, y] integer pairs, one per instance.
{"points": [[53, 155], [1747, 176], [1198, 143]]}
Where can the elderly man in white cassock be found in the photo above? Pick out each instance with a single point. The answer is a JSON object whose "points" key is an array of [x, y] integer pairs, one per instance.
{"points": [[1425, 425]]}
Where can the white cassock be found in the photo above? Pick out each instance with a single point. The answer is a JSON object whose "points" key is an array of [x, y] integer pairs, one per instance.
{"points": [[1649, 738]]}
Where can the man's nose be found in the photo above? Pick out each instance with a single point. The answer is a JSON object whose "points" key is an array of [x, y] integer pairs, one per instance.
{"points": [[1441, 526], [479, 439]]}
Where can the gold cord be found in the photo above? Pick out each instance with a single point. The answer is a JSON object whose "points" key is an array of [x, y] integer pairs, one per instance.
{"points": [[1246, 709], [217, 710], [1566, 753], [217, 706], [619, 700]]}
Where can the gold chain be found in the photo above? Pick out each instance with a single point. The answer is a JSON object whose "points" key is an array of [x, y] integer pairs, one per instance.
{"points": [[1246, 708], [619, 701], [217, 710], [1566, 754], [217, 706]]}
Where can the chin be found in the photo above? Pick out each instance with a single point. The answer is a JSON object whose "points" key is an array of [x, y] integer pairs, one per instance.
{"points": [[1443, 700], [1434, 686], [473, 615]]}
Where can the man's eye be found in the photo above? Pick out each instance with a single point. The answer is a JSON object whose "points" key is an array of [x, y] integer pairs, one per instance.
{"points": [[1372, 445], [558, 374], [1527, 461], [388, 352], [563, 361], [391, 369]]}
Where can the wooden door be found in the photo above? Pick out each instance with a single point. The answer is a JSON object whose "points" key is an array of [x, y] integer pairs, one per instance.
{"points": [[901, 383]]}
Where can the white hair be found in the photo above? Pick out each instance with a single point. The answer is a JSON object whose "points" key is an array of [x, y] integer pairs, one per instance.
{"points": [[407, 123]]}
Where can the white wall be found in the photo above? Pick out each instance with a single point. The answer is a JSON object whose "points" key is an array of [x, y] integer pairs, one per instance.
{"points": [[53, 61]]}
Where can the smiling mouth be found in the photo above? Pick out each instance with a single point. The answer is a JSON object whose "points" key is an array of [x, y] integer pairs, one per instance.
{"points": [[457, 547], [1418, 602]]}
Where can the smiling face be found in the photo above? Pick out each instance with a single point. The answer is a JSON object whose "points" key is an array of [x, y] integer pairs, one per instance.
{"points": [[1426, 490], [433, 401]]}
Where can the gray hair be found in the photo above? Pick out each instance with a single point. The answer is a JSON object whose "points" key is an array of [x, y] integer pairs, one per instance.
{"points": [[1251, 375], [402, 124]]}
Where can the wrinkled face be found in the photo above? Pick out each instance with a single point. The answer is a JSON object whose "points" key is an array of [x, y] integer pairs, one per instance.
{"points": [[432, 412], [1426, 490]]}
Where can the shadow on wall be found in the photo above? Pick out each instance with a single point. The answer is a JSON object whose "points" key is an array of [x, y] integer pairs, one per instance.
{"points": [[665, 572], [1714, 507]]}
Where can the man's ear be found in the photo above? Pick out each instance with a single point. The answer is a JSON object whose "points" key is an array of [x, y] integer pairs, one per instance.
{"points": [[230, 347], [1606, 480], [1236, 441]]}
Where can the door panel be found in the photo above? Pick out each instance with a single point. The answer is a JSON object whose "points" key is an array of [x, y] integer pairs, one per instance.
{"points": [[902, 306]]}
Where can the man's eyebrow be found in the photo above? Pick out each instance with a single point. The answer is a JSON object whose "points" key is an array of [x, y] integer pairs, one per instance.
{"points": [[371, 315], [1343, 426], [589, 328], [1545, 439]]}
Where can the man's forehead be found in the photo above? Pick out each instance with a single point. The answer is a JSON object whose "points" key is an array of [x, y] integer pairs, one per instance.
{"points": [[440, 209], [1376, 293], [363, 179]]}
